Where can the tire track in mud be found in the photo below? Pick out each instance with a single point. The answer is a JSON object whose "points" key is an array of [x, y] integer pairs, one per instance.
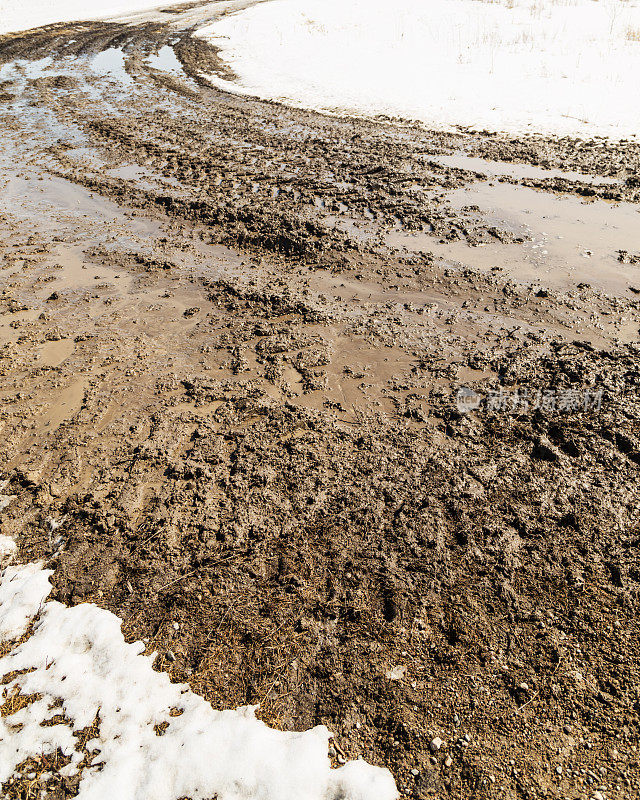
{"points": [[268, 449]]}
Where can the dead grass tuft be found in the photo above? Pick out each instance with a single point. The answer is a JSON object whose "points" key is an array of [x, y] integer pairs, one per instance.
{"points": [[14, 701], [39, 777], [161, 728], [87, 734], [10, 644]]}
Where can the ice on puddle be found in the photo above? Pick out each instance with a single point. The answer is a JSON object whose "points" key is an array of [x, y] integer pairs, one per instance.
{"points": [[78, 656]]}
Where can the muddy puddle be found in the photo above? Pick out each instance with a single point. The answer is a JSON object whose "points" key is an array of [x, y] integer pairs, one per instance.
{"points": [[53, 354], [65, 406], [27, 195], [569, 241], [111, 63], [166, 60], [26, 69]]}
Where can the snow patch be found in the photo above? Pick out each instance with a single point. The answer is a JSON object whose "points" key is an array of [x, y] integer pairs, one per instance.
{"points": [[7, 548], [23, 590], [78, 656], [16, 16], [564, 67]]}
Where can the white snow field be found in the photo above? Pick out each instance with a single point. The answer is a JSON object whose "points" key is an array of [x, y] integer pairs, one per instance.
{"points": [[78, 665], [562, 67], [21, 15]]}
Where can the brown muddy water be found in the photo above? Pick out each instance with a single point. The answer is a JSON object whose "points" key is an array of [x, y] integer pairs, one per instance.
{"points": [[568, 240]]}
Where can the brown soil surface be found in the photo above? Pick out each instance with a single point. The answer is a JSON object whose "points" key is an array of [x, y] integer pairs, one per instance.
{"points": [[227, 403]]}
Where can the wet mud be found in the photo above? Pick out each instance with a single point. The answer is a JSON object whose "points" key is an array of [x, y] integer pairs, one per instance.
{"points": [[232, 341]]}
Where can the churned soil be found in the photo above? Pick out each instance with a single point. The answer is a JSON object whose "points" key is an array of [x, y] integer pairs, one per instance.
{"points": [[229, 415]]}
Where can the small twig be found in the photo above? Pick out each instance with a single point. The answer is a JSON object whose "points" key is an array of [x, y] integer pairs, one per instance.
{"points": [[222, 618], [182, 577], [266, 696], [524, 705], [338, 749]]}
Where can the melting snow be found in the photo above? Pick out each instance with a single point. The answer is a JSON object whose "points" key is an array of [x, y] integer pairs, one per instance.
{"points": [[568, 67], [78, 656], [16, 16]]}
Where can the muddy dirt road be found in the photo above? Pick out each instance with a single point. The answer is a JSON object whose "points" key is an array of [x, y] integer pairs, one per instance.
{"points": [[232, 337]]}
